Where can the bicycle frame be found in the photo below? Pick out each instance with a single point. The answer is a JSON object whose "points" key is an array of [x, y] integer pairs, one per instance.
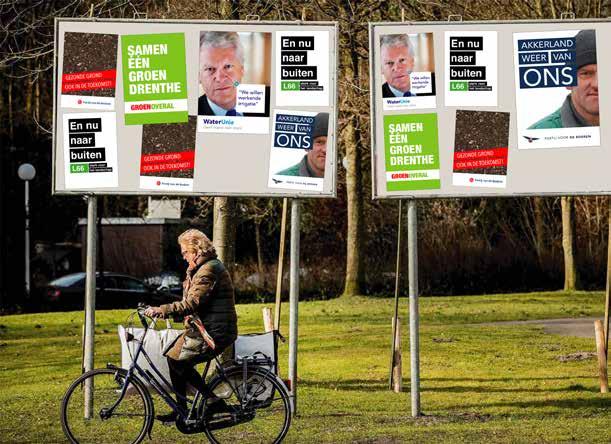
{"points": [[135, 371]]}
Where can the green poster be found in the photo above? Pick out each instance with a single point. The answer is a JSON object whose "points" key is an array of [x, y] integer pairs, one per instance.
{"points": [[411, 150], [154, 78]]}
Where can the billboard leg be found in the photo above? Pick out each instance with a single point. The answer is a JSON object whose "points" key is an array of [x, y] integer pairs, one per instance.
{"points": [[412, 246], [294, 300], [608, 289], [27, 238], [278, 306], [92, 209], [395, 325]]}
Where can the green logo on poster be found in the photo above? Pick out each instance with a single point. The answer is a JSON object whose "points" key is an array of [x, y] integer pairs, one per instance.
{"points": [[289, 86], [79, 168], [411, 150], [459, 86], [154, 72]]}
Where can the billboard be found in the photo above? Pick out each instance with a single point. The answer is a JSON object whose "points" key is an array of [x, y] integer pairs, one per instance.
{"points": [[147, 107], [465, 109]]}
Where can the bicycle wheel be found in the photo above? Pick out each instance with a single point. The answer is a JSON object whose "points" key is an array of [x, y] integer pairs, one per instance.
{"points": [[259, 408], [128, 423]]}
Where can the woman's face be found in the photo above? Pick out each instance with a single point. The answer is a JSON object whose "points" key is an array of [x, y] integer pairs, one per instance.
{"points": [[188, 254]]}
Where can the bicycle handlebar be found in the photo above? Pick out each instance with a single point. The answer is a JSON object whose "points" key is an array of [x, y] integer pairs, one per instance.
{"points": [[140, 310]]}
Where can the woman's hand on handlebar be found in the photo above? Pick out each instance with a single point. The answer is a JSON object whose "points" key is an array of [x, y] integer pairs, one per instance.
{"points": [[153, 312]]}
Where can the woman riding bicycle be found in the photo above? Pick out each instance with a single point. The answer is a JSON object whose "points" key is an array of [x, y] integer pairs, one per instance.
{"points": [[208, 295]]}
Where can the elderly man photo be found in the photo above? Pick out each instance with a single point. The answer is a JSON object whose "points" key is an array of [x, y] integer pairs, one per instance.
{"points": [[221, 69], [313, 162], [397, 57], [580, 108]]}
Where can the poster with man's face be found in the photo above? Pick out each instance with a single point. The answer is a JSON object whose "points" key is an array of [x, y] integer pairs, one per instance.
{"points": [[298, 156], [408, 71], [234, 82], [557, 89]]}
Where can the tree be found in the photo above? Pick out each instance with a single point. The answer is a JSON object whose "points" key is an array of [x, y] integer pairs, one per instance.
{"points": [[568, 244], [354, 190], [224, 207]]}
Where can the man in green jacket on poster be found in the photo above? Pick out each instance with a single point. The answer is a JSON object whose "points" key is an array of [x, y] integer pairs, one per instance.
{"points": [[580, 108], [313, 163]]}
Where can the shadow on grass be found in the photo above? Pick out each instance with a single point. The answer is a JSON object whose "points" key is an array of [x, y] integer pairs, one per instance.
{"points": [[571, 404], [382, 385], [512, 379]]}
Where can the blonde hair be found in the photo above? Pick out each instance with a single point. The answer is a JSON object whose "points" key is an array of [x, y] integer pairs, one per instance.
{"points": [[196, 241]]}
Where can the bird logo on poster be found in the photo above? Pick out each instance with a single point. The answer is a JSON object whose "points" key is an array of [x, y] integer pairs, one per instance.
{"points": [[531, 139]]}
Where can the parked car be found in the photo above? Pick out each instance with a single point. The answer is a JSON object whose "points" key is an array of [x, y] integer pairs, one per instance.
{"points": [[113, 290], [166, 281]]}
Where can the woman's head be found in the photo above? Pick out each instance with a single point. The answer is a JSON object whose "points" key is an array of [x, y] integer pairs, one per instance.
{"points": [[194, 243]]}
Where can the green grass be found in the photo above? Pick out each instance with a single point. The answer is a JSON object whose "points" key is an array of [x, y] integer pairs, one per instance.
{"points": [[480, 383]]}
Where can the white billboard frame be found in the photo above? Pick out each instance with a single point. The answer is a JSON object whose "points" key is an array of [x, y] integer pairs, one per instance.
{"points": [[438, 30], [330, 180]]}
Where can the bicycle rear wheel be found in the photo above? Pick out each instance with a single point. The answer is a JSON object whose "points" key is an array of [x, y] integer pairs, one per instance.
{"points": [[259, 408], [84, 420]]}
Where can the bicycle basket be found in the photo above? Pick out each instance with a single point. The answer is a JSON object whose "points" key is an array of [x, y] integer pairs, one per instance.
{"points": [[261, 348]]}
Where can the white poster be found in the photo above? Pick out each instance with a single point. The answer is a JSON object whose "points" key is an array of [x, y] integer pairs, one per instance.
{"points": [[470, 68], [234, 82], [89, 71], [557, 89], [90, 150], [302, 68], [167, 159], [408, 71], [298, 157]]}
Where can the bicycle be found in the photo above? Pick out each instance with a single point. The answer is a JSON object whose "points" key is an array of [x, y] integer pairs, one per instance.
{"points": [[121, 408]]}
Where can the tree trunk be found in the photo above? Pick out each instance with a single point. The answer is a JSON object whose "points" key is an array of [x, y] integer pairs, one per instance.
{"points": [[261, 281], [223, 235], [568, 244], [354, 189], [10, 110], [28, 95], [37, 103], [354, 275], [539, 231]]}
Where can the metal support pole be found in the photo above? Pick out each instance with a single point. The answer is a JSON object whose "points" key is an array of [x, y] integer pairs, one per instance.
{"points": [[412, 246], [294, 299], [608, 289], [90, 286], [27, 237], [278, 307], [395, 324]]}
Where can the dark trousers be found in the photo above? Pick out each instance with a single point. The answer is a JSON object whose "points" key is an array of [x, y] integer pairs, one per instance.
{"points": [[183, 373]]}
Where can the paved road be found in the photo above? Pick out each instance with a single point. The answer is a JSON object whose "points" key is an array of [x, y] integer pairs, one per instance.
{"points": [[580, 327]]}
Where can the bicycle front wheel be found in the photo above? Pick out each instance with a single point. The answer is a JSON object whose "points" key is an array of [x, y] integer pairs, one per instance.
{"points": [[259, 408], [86, 419]]}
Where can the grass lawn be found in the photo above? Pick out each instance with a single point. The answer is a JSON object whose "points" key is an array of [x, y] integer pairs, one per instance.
{"points": [[479, 383]]}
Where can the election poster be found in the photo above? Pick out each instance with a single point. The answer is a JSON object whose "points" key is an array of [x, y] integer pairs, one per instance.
{"points": [[302, 65], [154, 78], [167, 161], [411, 150], [471, 68], [234, 82], [556, 89], [481, 144], [408, 71], [89, 71], [90, 150], [298, 156]]}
